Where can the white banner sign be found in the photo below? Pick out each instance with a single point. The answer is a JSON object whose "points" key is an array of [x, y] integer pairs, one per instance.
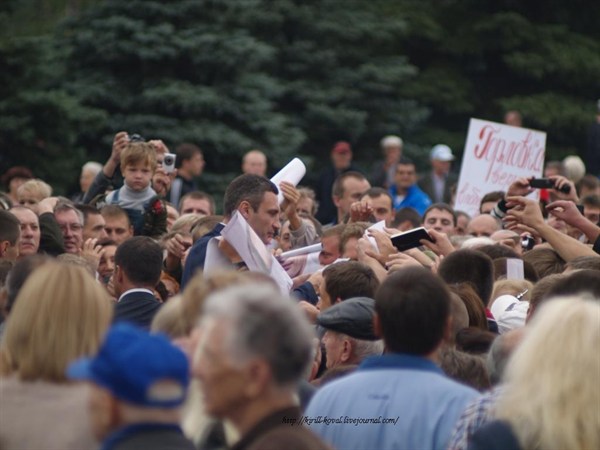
{"points": [[495, 155]]}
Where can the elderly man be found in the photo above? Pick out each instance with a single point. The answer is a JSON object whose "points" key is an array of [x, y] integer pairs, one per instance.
{"points": [[255, 348], [349, 337], [483, 225], [30, 230], [384, 171], [138, 384], [401, 399]]}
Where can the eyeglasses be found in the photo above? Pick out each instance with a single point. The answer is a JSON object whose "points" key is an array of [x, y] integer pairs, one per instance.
{"points": [[70, 226]]}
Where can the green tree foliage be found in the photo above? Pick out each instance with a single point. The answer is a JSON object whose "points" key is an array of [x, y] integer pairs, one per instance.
{"points": [[482, 58], [285, 76], [288, 76]]}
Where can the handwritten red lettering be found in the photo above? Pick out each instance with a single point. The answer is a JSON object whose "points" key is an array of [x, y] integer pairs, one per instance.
{"points": [[527, 153]]}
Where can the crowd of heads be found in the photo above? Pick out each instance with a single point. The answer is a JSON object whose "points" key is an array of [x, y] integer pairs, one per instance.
{"points": [[120, 287]]}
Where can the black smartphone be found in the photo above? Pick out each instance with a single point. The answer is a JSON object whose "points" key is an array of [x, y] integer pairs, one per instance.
{"points": [[546, 183], [410, 239]]}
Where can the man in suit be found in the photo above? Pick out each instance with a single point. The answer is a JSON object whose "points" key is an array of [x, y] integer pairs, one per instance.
{"points": [[437, 183], [138, 262], [255, 197]]}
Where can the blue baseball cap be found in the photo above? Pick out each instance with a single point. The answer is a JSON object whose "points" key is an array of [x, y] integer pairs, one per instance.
{"points": [[137, 367]]}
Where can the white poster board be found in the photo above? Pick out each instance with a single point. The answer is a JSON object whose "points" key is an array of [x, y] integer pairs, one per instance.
{"points": [[495, 155]]}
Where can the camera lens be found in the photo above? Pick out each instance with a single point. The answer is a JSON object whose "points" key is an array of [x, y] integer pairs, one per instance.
{"points": [[168, 160]]}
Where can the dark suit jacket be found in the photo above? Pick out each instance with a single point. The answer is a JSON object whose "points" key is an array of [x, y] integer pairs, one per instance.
{"points": [[137, 308], [426, 185], [277, 431], [197, 256]]}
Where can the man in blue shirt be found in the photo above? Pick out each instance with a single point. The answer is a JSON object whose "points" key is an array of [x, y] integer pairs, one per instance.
{"points": [[405, 192], [401, 400]]}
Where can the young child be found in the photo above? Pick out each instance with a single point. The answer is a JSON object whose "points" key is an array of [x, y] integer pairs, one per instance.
{"points": [[32, 192], [146, 211]]}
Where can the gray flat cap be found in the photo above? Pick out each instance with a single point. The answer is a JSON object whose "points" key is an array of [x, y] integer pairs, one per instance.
{"points": [[353, 316]]}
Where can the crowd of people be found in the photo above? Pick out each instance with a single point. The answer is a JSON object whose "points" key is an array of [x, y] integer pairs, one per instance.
{"points": [[133, 318]]}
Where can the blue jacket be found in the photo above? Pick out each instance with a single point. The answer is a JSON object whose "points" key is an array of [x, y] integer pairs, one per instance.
{"points": [[393, 401], [415, 198]]}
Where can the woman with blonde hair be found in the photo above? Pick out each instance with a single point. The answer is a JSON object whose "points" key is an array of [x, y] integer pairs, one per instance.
{"points": [[60, 315], [552, 398]]}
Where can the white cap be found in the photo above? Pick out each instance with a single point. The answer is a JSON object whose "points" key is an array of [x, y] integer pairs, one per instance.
{"points": [[391, 141], [442, 152], [509, 312]]}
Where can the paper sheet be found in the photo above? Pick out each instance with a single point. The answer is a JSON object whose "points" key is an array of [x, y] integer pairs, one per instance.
{"points": [[514, 269], [379, 226], [293, 172], [250, 248], [302, 251]]}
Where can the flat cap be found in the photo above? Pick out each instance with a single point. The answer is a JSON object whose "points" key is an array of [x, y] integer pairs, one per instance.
{"points": [[353, 316]]}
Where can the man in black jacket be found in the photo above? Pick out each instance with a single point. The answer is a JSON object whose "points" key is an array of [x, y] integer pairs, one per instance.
{"points": [[138, 262]]}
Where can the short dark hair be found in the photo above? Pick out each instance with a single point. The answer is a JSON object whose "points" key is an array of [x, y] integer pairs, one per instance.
{"points": [[589, 181], [442, 207], [404, 161], [247, 187], [407, 214], [10, 227], [495, 251], [494, 196], [198, 195], [87, 210], [140, 257], [19, 274], [376, 192], [413, 306], [185, 151], [349, 279], [114, 211], [337, 189], [469, 266], [591, 200]]}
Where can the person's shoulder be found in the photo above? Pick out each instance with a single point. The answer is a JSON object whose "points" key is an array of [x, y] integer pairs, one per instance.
{"points": [[109, 197], [289, 437], [340, 387]]}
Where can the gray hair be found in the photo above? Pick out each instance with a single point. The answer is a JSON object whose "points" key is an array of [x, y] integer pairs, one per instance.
{"points": [[65, 204], [262, 323], [92, 166], [362, 349]]}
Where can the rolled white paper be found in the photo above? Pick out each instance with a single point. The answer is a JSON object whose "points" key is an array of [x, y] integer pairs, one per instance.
{"points": [[302, 251], [293, 172]]}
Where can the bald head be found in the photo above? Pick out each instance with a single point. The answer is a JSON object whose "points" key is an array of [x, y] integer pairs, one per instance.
{"points": [[255, 163], [483, 225]]}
